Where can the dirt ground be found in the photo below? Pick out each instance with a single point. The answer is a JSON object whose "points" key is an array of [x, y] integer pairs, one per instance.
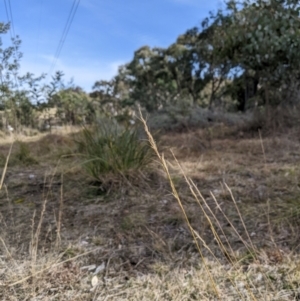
{"points": [[138, 229]]}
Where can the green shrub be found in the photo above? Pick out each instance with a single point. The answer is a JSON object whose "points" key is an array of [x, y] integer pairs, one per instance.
{"points": [[109, 150]]}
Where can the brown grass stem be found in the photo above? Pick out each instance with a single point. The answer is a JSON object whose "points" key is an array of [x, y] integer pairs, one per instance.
{"points": [[176, 195], [5, 166]]}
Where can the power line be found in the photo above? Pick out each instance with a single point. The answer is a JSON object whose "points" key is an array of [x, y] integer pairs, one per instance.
{"points": [[65, 33], [11, 18], [8, 19]]}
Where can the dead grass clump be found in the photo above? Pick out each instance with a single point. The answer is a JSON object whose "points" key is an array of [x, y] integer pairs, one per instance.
{"points": [[193, 284], [52, 276], [55, 140], [72, 281]]}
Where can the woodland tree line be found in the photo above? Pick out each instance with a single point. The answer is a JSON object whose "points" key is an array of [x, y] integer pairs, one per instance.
{"points": [[243, 57]]}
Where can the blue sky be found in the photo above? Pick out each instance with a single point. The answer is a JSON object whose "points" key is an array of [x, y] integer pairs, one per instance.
{"points": [[103, 35]]}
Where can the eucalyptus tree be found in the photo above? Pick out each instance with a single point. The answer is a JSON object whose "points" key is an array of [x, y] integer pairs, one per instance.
{"points": [[181, 64], [150, 81], [73, 106], [206, 71], [248, 45], [262, 37], [105, 92], [108, 96]]}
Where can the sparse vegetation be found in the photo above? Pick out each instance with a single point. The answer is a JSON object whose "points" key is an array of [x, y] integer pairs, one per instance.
{"points": [[244, 222], [210, 211]]}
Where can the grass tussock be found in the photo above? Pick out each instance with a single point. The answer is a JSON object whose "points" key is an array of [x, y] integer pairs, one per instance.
{"points": [[111, 153]]}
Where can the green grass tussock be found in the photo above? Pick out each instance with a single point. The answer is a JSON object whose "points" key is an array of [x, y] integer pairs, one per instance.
{"points": [[109, 150]]}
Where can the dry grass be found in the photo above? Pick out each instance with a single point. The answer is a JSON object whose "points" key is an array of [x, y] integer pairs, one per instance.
{"points": [[224, 228], [29, 135], [69, 281]]}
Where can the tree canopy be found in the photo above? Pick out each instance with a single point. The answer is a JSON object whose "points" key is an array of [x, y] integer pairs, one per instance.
{"points": [[246, 55]]}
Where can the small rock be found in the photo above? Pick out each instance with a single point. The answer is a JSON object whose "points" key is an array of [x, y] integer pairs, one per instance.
{"points": [[89, 267], [100, 268], [84, 243], [95, 281]]}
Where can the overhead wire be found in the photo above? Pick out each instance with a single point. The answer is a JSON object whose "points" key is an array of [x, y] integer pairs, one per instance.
{"points": [[64, 34], [11, 18], [10, 21]]}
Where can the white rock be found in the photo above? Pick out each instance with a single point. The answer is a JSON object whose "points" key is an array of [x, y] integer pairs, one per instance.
{"points": [[95, 281], [100, 268], [89, 267]]}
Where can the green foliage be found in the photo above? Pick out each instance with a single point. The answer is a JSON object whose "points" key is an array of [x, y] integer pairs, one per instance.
{"points": [[247, 55], [19, 110], [261, 39], [264, 35], [9, 62], [111, 98], [248, 52], [151, 79], [22, 156], [110, 151], [207, 71], [73, 106]]}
